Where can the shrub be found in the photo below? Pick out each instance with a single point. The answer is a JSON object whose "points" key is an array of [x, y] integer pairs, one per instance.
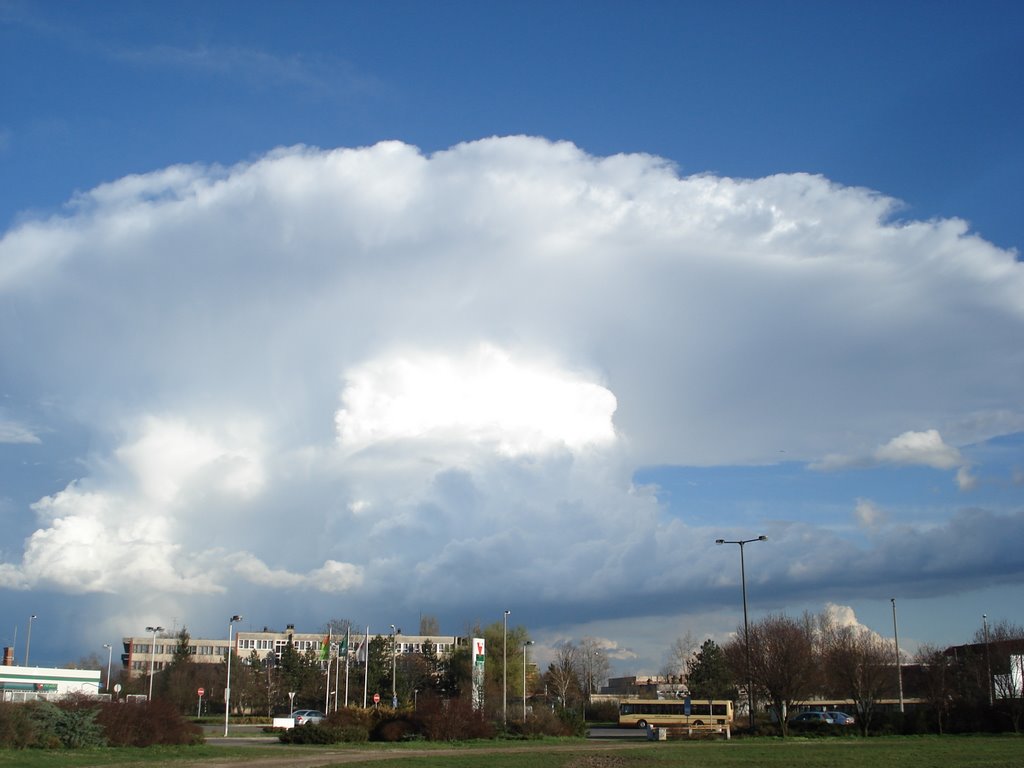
{"points": [[143, 724], [543, 722], [394, 729], [43, 725], [16, 728], [312, 733], [603, 712], [452, 720]]}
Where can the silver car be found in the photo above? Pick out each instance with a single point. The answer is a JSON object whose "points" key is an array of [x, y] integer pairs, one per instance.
{"points": [[304, 716]]}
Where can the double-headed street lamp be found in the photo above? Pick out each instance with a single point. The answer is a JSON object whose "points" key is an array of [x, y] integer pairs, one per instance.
{"points": [[110, 656], [988, 663], [527, 643], [152, 657], [896, 637], [504, 668], [28, 640], [746, 627], [227, 688]]}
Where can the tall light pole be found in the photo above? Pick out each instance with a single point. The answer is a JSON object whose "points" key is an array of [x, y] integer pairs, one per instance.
{"points": [[896, 637], [504, 668], [527, 643], [227, 688], [746, 627], [394, 654], [152, 657], [110, 656], [988, 663], [28, 639]]}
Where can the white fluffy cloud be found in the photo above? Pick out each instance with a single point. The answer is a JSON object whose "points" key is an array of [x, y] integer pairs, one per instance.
{"points": [[484, 398], [376, 372], [925, 449]]}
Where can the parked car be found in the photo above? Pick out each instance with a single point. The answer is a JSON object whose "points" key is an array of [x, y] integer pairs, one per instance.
{"points": [[303, 716], [805, 718], [841, 718]]}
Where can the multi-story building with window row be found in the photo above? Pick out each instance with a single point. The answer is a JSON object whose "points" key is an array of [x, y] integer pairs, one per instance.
{"points": [[140, 651]]}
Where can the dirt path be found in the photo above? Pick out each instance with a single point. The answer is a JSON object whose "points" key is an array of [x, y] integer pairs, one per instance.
{"points": [[271, 758]]}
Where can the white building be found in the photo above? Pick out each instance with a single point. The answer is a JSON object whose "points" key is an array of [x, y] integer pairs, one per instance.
{"points": [[23, 683], [140, 651]]}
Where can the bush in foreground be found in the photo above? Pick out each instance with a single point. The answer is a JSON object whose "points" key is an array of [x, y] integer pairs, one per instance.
{"points": [[145, 724], [42, 725]]}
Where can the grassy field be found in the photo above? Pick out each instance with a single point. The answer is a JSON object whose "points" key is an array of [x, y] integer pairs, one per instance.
{"points": [[901, 752]]}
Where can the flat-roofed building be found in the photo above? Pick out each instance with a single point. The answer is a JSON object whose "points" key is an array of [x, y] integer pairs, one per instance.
{"points": [[140, 651]]}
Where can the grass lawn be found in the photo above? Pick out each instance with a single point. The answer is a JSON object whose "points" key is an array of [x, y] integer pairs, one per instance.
{"points": [[882, 752]]}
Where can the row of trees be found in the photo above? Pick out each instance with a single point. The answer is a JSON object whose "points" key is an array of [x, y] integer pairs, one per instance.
{"points": [[795, 660], [261, 686], [576, 672]]}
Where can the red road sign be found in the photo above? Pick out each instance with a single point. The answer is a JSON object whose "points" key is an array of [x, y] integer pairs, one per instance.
{"points": [[376, 698], [201, 691]]}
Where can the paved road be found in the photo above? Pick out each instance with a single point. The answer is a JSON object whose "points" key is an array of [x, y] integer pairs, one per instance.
{"points": [[253, 736]]}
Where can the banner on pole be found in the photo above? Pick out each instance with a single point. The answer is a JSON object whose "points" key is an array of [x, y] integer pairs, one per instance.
{"points": [[478, 672]]}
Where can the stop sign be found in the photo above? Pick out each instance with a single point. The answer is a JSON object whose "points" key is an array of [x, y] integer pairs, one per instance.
{"points": [[201, 691], [376, 698]]}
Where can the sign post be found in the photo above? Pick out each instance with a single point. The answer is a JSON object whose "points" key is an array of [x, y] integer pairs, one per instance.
{"points": [[478, 673], [376, 699], [199, 709]]}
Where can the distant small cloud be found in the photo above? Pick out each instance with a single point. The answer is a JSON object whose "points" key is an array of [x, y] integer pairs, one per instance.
{"points": [[921, 448], [612, 649], [965, 480], [868, 514], [12, 432], [331, 577], [926, 449]]}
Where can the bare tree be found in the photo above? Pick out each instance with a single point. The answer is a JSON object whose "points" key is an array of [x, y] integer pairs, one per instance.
{"points": [[858, 665], [429, 625], [939, 681], [783, 662], [678, 658], [562, 675], [592, 658], [1003, 643]]}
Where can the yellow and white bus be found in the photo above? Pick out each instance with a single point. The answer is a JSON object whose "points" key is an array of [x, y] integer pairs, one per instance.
{"points": [[640, 713]]}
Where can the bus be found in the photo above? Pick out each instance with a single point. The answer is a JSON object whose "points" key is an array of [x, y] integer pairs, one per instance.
{"points": [[640, 713]]}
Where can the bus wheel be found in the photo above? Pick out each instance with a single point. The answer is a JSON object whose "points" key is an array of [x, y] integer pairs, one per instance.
{"points": [[698, 722], [641, 723]]}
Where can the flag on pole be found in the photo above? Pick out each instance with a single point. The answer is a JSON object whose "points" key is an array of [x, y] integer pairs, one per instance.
{"points": [[325, 649], [343, 648]]}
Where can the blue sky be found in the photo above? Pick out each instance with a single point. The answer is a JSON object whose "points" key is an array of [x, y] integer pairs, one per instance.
{"points": [[315, 310]]}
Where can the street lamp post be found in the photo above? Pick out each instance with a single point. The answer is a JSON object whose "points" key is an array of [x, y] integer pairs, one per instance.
{"points": [[896, 637], [988, 663], [227, 687], [527, 643], [746, 627], [152, 657], [110, 656], [394, 654], [504, 668], [28, 639]]}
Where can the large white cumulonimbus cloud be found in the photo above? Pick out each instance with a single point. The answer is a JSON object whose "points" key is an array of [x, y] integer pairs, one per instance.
{"points": [[377, 372]]}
